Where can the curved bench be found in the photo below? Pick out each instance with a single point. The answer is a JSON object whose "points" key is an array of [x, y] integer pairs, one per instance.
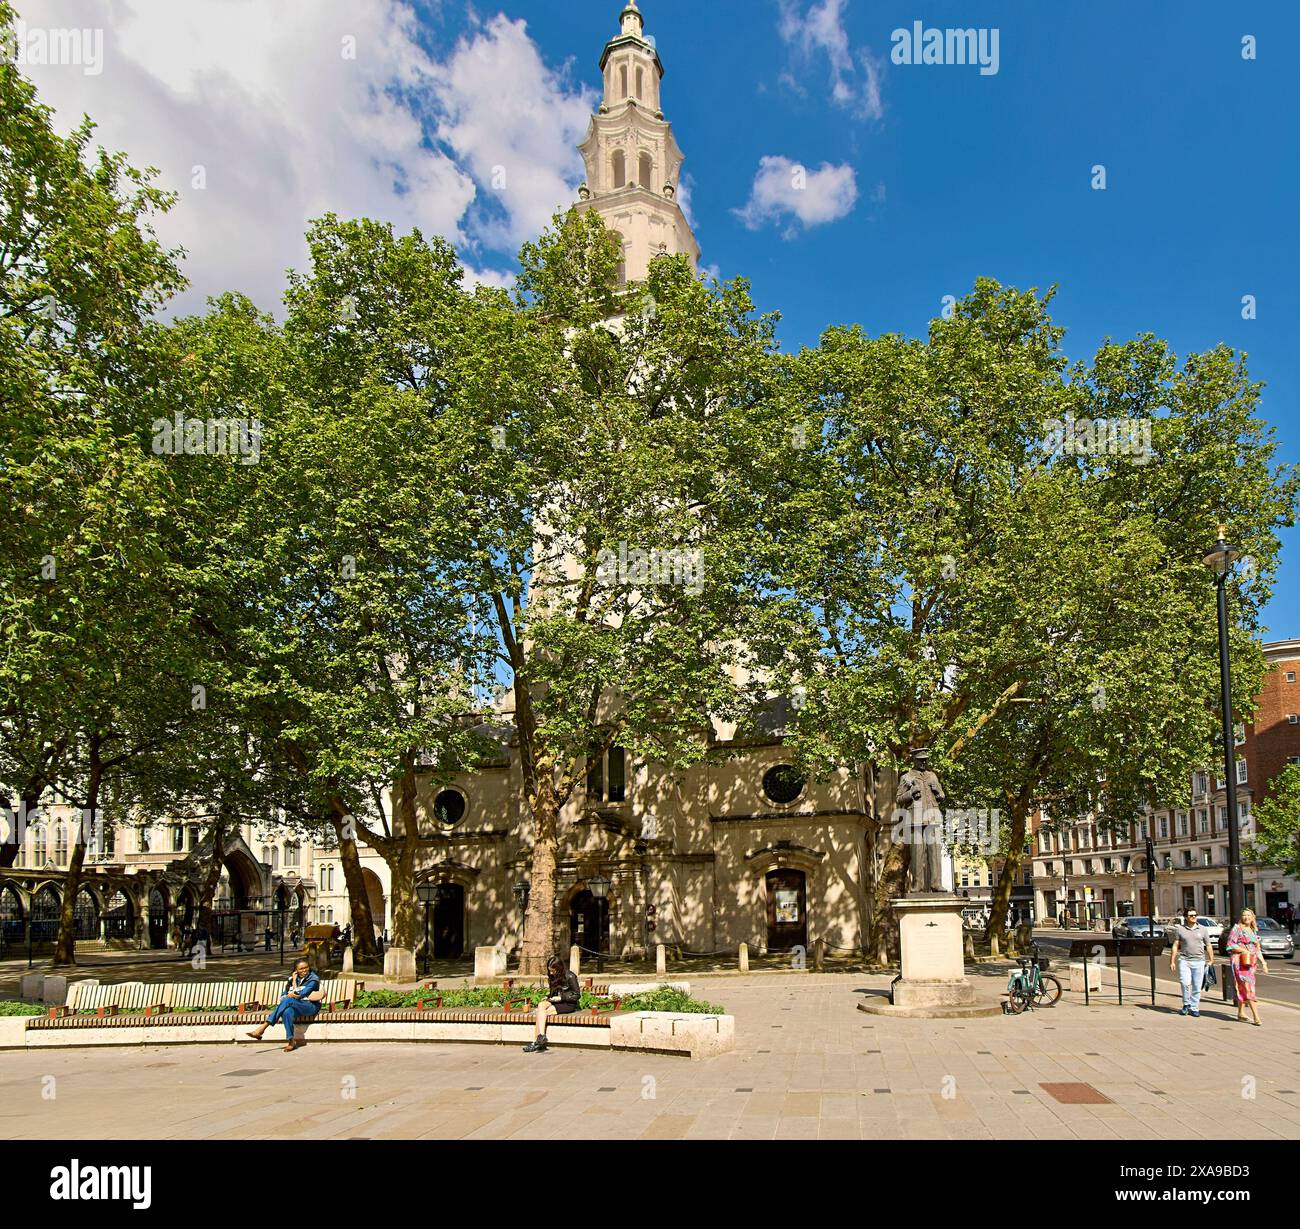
{"points": [[699, 1036]]}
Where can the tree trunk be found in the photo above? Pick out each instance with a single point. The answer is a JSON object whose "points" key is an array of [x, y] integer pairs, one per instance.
{"points": [[541, 901], [213, 877], [997, 923], [65, 944], [363, 921]]}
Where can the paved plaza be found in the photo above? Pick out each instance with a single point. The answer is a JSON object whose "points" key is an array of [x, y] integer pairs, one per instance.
{"points": [[807, 1065]]}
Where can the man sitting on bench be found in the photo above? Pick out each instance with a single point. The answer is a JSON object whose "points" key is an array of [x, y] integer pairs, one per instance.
{"points": [[301, 1000]]}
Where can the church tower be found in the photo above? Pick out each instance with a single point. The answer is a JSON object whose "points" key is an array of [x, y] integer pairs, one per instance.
{"points": [[633, 163]]}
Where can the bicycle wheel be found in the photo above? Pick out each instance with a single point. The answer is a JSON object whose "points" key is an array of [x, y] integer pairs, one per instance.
{"points": [[1017, 998], [1049, 991]]}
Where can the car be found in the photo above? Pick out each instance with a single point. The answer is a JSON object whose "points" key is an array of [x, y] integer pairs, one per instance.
{"points": [[1274, 939], [1137, 928]]}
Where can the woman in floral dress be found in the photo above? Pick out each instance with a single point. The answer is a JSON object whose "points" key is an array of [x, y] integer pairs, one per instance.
{"points": [[1243, 947]]}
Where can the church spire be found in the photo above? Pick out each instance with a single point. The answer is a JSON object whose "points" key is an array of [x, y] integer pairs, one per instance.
{"points": [[633, 163]]}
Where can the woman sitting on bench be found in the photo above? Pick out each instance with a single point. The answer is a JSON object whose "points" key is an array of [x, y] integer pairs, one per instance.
{"points": [[301, 1000], [562, 1000]]}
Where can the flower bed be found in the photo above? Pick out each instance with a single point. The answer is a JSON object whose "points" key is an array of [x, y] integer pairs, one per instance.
{"points": [[526, 998], [10, 1008]]}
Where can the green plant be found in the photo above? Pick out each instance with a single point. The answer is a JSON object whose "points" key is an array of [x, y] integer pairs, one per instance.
{"points": [[8, 1008], [665, 998]]}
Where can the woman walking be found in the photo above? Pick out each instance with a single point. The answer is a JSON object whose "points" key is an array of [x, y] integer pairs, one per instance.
{"points": [[1243, 947], [300, 1001], [562, 999]]}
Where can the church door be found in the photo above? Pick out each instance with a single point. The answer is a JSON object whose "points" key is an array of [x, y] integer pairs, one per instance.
{"points": [[449, 923], [787, 910]]}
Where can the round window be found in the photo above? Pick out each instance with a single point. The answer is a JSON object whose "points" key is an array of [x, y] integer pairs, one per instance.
{"points": [[449, 807], [782, 784]]}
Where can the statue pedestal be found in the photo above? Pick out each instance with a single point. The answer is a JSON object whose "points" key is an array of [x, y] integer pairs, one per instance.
{"points": [[933, 981]]}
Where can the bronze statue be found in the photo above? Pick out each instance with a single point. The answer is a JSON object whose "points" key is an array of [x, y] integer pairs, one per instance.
{"points": [[920, 800]]}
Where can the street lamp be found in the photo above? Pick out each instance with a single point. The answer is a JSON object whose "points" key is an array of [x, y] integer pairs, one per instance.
{"points": [[1219, 560], [598, 886], [522, 890], [427, 894]]}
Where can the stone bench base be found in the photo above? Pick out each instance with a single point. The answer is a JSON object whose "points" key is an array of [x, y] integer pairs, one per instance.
{"points": [[658, 1032]]}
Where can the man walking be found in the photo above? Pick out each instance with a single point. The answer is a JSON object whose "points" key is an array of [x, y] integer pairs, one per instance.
{"points": [[1187, 958]]}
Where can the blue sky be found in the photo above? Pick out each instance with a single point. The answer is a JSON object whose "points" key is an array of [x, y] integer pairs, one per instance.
{"points": [[922, 177]]}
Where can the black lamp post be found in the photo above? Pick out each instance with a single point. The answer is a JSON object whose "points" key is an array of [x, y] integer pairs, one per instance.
{"points": [[522, 890], [427, 894], [1219, 560], [598, 886]]}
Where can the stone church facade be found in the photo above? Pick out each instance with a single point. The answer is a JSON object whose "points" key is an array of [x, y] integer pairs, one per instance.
{"points": [[737, 849]]}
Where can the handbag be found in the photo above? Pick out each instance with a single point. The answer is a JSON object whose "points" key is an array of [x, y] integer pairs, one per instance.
{"points": [[1211, 977]]}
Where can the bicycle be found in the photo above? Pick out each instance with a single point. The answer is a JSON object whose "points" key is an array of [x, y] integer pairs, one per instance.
{"points": [[1029, 987]]}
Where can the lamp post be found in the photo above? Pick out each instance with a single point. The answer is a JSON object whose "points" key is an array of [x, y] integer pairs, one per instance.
{"points": [[427, 894], [598, 885], [522, 890], [1219, 559]]}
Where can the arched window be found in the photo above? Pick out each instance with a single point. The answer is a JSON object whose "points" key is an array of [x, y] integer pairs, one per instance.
{"points": [[292, 853], [640, 82], [85, 916], [646, 170], [619, 168], [622, 78], [275, 857], [11, 915], [119, 918], [39, 850], [60, 845], [45, 915]]}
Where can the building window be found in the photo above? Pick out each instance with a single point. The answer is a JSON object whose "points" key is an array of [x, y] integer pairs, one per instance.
{"points": [[1202, 822], [144, 840], [607, 776], [1164, 827], [782, 784], [1207, 857], [1293, 718], [646, 168], [60, 845], [449, 807], [619, 168], [192, 834], [1290, 676], [1182, 823], [275, 857], [178, 838], [1200, 785], [640, 82], [1241, 772], [1187, 857], [292, 854]]}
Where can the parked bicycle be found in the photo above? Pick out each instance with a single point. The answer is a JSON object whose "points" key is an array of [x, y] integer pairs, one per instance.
{"points": [[1029, 986]]}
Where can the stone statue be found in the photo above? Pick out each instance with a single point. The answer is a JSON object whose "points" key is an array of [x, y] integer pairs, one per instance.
{"points": [[920, 801]]}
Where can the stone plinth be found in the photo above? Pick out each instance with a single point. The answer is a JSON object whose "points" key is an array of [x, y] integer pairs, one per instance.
{"points": [[933, 980], [399, 964], [489, 962], [1077, 968]]}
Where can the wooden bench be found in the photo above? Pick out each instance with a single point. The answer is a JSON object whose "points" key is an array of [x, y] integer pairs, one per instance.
{"points": [[203, 995]]}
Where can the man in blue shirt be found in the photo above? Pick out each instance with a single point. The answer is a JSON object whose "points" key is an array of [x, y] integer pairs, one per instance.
{"points": [[295, 1004]]}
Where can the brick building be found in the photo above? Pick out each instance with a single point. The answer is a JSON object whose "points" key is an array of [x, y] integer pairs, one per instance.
{"points": [[1102, 875]]}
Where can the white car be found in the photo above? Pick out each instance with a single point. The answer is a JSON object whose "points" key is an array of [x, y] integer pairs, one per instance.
{"points": [[1213, 929]]}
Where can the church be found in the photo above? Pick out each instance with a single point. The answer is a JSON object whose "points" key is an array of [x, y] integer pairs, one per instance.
{"points": [[739, 848]]}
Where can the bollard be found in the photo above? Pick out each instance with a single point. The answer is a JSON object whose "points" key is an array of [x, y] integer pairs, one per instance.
{"points": [[744, 957], [819, 954], [661, 959], [575, 959], [993, 946]]}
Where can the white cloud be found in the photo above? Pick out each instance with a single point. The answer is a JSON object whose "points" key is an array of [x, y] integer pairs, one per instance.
{"points": [[299, 107], [786, 191], [855, 74], [515, 124]]}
